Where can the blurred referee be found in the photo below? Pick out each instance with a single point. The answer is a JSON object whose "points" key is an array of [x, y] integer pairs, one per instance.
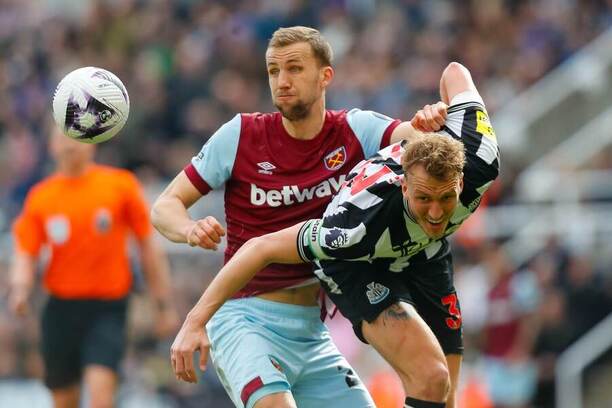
{"points": [[84, 213]]}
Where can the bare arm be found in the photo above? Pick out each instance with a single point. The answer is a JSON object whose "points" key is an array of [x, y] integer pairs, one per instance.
{"points": [[155, 268], [22, 276], [404, 131], [156, 271], [253, 256], [279, 247], [169, 215], [455, 79]]}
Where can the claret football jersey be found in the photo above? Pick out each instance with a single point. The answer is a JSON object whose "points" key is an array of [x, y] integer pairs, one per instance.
{"points": [[273, 181]]}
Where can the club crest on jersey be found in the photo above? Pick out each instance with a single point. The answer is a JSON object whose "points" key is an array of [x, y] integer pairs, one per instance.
{"points": [[335, 159], [376, 292], [265, 167], [102, 221]]}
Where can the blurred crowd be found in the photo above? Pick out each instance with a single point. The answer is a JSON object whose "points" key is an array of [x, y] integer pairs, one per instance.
{"points": [[191, 65]]}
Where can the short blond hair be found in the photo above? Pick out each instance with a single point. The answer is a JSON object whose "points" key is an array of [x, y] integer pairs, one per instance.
{"points": [[321, 49], [441, 156]]}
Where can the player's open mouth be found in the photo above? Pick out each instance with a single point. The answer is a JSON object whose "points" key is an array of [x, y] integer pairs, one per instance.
{"points": [[435, 222]]}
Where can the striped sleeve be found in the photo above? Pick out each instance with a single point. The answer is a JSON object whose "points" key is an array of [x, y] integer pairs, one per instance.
{"points": [[469, 122], [318, 239]]}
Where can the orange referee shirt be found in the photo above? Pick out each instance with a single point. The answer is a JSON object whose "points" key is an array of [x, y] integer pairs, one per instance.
{"points": [[85, 221]]}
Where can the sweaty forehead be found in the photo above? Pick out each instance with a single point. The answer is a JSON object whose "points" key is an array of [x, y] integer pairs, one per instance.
{"points": [[300, 52]]}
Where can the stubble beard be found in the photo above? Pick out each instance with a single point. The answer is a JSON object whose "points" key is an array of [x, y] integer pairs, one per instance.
{"points": [[299, 111]]}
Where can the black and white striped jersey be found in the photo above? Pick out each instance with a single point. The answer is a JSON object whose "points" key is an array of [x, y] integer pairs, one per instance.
{"points": [[369, 219]]}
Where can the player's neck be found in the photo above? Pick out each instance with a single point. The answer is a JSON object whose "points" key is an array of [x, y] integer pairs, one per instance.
{"points": [[72, 170], [309, 127]]}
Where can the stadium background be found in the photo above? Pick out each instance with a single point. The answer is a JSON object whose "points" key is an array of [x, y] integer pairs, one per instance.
{"points": [[543, 67]]}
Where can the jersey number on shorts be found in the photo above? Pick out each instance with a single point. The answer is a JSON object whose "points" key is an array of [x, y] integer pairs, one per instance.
{"points": [[453, 322]]}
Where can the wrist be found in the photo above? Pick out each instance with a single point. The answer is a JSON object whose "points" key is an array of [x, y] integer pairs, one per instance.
{"points": [[195, 320], [186, 231], [21, 288]]}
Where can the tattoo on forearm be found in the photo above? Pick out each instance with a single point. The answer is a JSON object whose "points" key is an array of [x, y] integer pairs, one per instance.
{"points": [[396, 312]]}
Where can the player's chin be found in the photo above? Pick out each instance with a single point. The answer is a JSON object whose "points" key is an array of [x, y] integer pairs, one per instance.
{"points": [[434, 231]]}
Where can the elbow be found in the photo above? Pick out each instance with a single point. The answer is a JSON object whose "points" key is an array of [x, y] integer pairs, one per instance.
{"points": [[454, 66], [257, 245], [454, 70], [455, 79], [261, 249], [158, 215], [155, 216]]}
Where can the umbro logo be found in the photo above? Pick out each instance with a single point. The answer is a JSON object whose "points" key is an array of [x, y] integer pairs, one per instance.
{"points": [[376, 292], [265, 167]]}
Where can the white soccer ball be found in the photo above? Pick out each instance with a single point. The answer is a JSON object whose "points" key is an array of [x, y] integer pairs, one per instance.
{"points": [[91, 105]]}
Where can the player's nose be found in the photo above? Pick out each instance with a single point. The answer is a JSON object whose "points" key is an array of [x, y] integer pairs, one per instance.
{"points": [[435, 211], [283, 79]]}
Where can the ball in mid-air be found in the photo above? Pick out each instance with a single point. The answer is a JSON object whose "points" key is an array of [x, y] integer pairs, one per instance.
{"points": [[91, 105]]}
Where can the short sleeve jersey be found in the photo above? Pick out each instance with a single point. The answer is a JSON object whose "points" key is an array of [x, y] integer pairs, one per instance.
{"points": [[369, 218], [85, 221], [273, 180]]}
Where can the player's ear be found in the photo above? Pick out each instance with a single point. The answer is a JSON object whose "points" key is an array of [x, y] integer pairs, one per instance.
{"points": [[327, 74], [404, 185]]}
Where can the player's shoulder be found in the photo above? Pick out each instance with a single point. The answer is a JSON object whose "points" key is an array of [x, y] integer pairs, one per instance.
{"points": [[43, 187], [259, 117], [255, 123]]}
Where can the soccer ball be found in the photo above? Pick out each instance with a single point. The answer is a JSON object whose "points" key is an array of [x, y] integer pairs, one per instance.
{"points": [[91, 105]]}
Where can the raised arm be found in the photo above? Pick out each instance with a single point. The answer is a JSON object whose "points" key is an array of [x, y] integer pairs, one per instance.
{"points": [[455, 79], [254, 255]]}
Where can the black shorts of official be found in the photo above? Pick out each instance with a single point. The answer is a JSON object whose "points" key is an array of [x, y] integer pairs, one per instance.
{"points": [[78, 333], [367, 289]]}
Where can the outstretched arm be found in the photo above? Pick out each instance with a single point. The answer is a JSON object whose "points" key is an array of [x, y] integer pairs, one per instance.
{"points": [[254, 255], [455, 79]]}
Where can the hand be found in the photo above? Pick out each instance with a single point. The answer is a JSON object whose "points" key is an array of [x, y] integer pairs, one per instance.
{"points": [[431, 118], [205, 233], [18, 301], [189, 339]]}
